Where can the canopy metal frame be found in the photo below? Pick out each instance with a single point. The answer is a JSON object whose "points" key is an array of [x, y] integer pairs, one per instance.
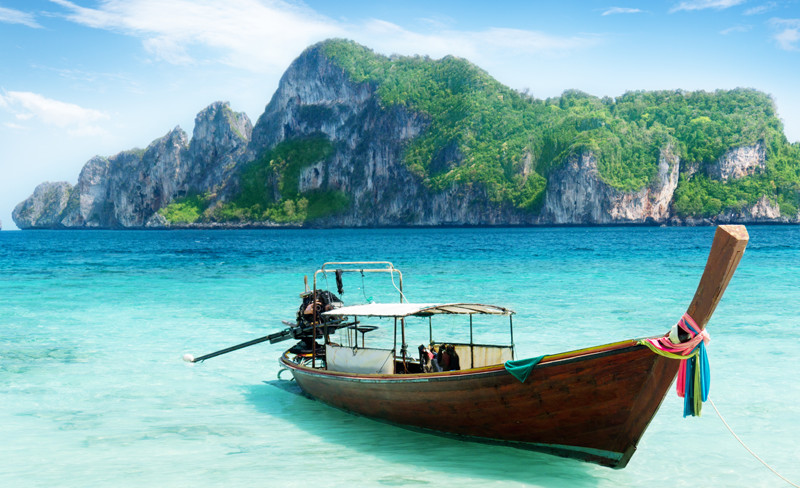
{"points": [[351, 267], [402, 309]]}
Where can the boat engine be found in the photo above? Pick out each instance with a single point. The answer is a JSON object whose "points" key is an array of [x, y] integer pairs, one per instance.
{"points": [[313, 306]]}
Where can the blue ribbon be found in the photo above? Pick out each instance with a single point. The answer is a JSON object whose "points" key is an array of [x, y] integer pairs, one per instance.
{"points": [[699, 361]]}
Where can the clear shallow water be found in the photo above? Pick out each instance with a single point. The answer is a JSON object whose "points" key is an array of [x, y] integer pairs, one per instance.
{"points": [[93, 325]]}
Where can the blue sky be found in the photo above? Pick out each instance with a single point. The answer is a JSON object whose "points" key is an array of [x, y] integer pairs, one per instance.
{"points": [[80, 78]]}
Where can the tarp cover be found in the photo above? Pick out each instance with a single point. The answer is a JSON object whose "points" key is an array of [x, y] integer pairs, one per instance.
{"points": [[418, 309]]}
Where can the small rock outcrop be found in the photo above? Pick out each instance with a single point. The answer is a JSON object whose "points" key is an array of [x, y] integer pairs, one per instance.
{"points": [[43, 209]]}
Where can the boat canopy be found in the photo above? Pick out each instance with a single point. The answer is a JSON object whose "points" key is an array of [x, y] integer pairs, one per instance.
{"points": [[400, 310]]}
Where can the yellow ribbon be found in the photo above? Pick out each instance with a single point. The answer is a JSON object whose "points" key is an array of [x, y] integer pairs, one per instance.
{"points": [[668, 354]]}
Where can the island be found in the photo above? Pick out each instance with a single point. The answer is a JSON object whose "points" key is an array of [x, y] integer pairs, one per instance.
{"points": [[352, 138]]}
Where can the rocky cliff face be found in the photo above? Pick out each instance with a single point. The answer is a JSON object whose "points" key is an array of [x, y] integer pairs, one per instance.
{"points": [[577, 194], [44, 207], [739, 162], [316, 96], [127, 189], [218, 142]]}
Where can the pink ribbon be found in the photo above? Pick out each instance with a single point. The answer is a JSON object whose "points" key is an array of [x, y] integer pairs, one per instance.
{"points": [[688, 324]]}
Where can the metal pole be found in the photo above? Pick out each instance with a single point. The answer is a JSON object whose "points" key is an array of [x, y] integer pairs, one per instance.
{"points": [[511, 328], [471, 349], [403, 347], [430, 332]]}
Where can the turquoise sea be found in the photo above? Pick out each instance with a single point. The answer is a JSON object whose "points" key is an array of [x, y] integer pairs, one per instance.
{"points": [[93, 325]]}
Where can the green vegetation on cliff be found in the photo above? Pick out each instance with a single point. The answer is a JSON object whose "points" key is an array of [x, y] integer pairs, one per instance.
{"points": [[701, 196], [481, 131], [269, 186], [268, 190], [186, 210]]}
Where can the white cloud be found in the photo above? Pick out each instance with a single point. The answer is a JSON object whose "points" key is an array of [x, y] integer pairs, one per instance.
{"points": [[11, 16], [266, 35], [93, 78], [257, 35], [168, 49], [76, 120], [480, 47], [533, 42], [690, 5], [622, 10], [760, 9], [13, 126], [788, 33], [438, 22], [735, 29]]}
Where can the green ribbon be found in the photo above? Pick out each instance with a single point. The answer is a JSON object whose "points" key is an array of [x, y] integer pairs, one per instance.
{"points": [[521, 368]]}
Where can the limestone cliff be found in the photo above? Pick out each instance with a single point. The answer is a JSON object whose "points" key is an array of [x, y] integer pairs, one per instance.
{"points": [[576, 194], [43, 209], [317, 96], [233, 174], [127, 189], [739, 162]]}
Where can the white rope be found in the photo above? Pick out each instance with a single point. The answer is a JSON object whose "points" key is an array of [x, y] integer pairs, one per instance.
{"points": [[747, 448]]}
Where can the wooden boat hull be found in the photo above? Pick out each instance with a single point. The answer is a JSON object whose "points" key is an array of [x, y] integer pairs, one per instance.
{"points": [[593, 405]]}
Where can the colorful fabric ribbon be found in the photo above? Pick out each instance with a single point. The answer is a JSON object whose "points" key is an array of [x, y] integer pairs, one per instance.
{"points": [[694, 374], [521, 368]]}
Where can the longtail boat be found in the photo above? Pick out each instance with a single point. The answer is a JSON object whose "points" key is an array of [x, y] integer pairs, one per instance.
{"points": [[592, 404]]}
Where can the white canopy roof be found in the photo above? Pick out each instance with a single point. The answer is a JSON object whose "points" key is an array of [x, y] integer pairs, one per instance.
{"points": [[417, 309]]}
